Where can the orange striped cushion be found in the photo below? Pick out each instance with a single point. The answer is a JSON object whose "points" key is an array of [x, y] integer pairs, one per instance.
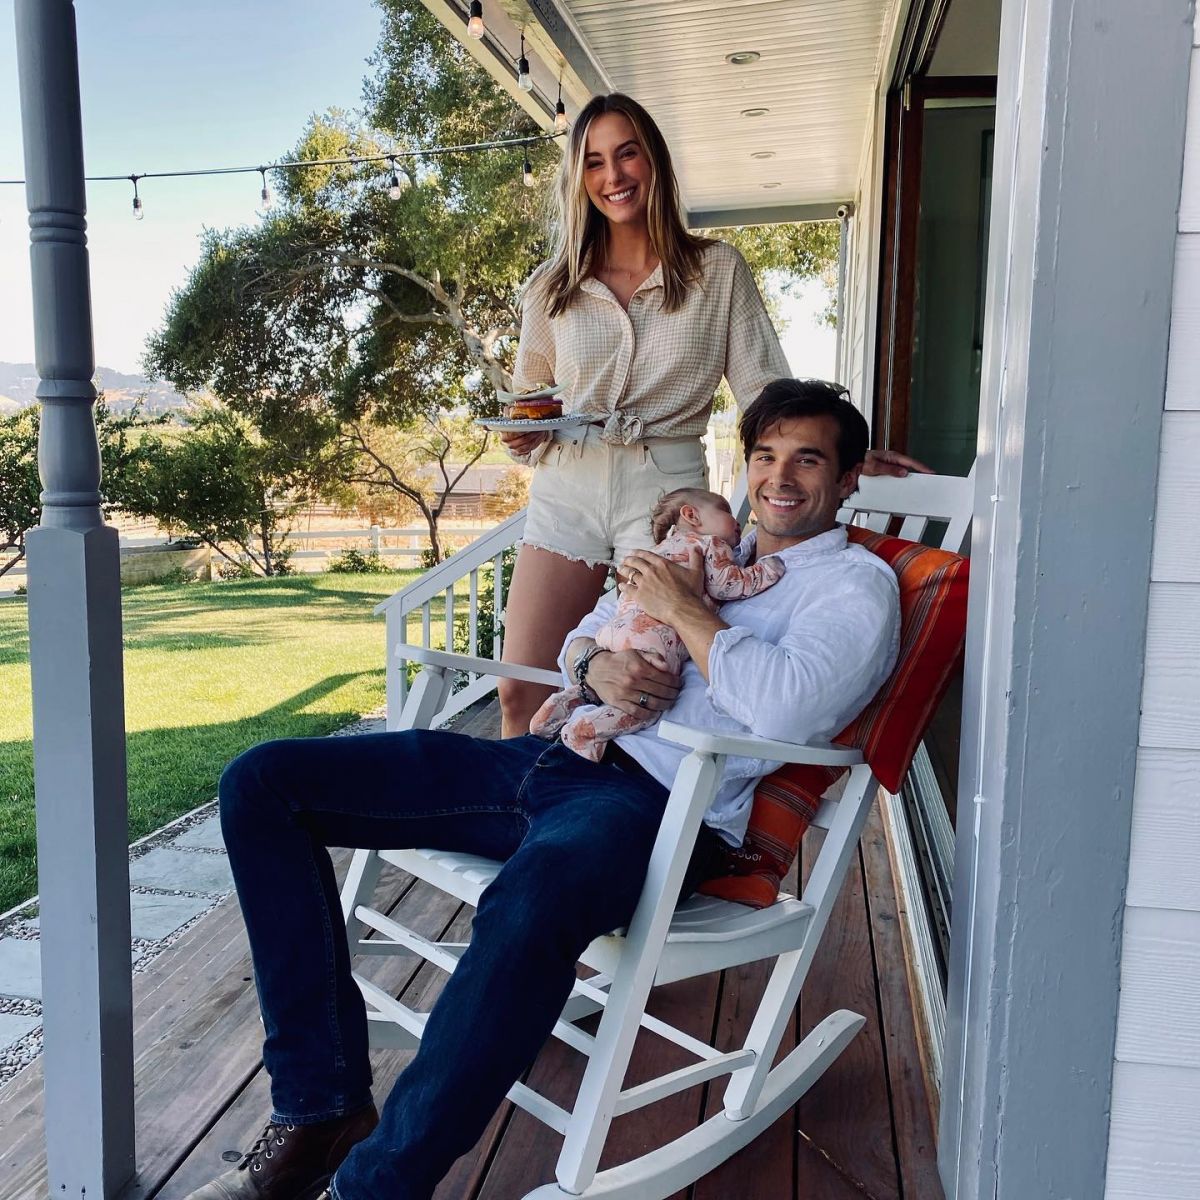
{"points": [[933, 622]]}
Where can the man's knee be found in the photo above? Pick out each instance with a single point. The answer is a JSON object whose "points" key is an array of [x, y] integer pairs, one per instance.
{"points": [[248, 781]]}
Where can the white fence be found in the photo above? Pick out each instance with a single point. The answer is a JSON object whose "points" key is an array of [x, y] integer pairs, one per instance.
{"points": [[377, 539], [325, 543]]}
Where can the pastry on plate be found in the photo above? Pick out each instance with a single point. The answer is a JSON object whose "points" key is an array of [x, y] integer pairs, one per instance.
{"points": [[535, 404]]}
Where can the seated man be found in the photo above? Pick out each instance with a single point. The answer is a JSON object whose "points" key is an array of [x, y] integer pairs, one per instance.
{"points": [[796, 662]]}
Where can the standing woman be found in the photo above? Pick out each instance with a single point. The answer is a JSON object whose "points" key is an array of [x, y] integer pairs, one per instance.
{"points": [[638, 320]]}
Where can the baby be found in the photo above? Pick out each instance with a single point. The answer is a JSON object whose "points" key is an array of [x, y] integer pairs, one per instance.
{"points": [[682, 519]]}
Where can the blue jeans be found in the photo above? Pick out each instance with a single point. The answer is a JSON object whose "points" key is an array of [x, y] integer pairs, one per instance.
{"points": [[575, 839]]}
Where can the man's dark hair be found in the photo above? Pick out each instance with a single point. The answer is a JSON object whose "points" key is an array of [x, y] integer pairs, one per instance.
{"points": [[787, 399]]}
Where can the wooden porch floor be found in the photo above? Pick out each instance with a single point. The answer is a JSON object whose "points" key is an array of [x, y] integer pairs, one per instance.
{"points": [[864, 1132]]}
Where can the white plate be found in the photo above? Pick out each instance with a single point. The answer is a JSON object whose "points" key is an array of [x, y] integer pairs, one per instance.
{"points": [[551, 389], [523, 425]]}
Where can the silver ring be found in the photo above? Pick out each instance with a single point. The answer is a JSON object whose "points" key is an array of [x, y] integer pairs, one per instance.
{"points": [[644, 700]]}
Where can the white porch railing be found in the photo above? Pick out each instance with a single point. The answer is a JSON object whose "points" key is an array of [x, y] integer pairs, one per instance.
{"points": [[475, 567]]}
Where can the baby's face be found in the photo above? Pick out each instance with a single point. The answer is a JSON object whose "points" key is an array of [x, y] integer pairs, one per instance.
{"points": [[717, 520]]}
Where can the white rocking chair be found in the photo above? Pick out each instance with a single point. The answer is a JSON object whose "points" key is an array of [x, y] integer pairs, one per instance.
{"points": [[665, 941]]}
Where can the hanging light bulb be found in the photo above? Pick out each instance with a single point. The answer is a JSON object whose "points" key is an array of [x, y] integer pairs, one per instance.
{"points": [[475, 25], [524, 79], [560, 112], [138, 213], [527, 172], [265, 194], [397, 184]]}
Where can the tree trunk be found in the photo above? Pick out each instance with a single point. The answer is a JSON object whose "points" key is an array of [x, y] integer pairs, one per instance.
{"points": [[265, 537], [431, 520], [20, 549]]}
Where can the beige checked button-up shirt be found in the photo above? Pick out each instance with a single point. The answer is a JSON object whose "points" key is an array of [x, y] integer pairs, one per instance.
{"points": [[646, 372]]}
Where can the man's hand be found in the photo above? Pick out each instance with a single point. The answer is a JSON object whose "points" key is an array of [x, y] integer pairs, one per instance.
{"points": [[671, 593], [664, 589], [523, 443], [892, 462], [624, 678]]}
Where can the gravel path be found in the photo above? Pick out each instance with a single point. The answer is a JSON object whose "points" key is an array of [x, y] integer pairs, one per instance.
{"points": [[178, 876]]}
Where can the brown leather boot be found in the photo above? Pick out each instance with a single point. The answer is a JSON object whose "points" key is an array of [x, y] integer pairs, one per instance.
{"points": [[292, 1162]]}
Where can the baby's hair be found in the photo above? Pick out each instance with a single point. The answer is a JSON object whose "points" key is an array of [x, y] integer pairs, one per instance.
{"points": [[666, 512]]}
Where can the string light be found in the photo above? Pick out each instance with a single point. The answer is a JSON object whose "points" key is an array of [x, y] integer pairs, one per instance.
{"points": [[398, 178], [397, 184], [475, 26], [524, 79], [265, 194], [560, 112]]}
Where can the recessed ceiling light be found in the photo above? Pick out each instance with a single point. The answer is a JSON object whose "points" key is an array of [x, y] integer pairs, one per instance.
{"points": [[755, 112], [742, 58], [776, 183], [763, 154]]}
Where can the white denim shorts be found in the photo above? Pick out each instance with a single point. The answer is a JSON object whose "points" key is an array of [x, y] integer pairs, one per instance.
{"points": [[590, 500]]}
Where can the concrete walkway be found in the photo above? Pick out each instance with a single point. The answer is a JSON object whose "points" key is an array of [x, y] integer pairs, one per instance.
{"points": [[176, 876]]}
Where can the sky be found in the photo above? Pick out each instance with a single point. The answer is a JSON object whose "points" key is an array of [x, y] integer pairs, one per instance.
{"points": [[173, 86]]}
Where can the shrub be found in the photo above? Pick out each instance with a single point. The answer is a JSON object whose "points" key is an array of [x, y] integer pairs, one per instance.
{"points": [[236, 570], [355, 562]]}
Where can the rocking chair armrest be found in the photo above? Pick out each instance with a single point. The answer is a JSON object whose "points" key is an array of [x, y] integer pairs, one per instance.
{"points": [[477, 666], [748, 745]]}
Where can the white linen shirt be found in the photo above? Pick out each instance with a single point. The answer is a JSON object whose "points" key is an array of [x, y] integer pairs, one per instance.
{"points": [[643, 372], [798, 663]]}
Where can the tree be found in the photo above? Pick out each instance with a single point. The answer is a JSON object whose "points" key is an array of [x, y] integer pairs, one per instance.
{"points": [[346, 298], [511, 494], [781, 256], [355, 311], [411, 465], [20, 486], [223, 484]]}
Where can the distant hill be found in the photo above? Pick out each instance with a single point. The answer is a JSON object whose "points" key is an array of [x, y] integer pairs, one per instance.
{"points": [[18, 385]]}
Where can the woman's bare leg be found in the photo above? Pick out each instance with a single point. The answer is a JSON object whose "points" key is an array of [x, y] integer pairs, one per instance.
{"points": [[549, 596]]}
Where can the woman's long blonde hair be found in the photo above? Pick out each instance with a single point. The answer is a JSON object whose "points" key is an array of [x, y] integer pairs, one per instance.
{"points": [[581, 231]]}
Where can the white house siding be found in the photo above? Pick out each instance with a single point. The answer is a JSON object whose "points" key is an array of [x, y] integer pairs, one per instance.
{"points": [[1154, 1140]]}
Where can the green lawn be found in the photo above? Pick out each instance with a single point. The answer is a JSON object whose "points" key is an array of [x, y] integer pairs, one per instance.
{"points": [[209, 670]]}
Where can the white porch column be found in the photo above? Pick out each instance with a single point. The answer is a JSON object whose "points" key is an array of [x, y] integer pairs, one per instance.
{"points": [[844, 213], [75, 657], [1088, 158]]}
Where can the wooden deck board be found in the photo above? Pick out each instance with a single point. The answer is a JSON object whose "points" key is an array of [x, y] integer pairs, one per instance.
{"points": [[766, 1169], [202, 1091], [427, 911], [193, 981], [913, 1119], [845, 1147]]}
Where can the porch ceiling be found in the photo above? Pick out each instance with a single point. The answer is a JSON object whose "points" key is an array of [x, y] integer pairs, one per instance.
{"points": [[816, 77]]}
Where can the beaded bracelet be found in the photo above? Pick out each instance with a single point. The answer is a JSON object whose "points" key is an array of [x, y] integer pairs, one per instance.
{"points": [[581, 669]]}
